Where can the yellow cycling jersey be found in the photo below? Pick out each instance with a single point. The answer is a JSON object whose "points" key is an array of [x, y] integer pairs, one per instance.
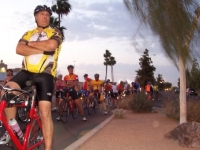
{"points": [[96, 84], [38, 63]]}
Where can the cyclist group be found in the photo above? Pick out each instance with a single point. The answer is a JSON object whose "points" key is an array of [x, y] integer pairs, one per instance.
{"points": [[70, 84]]}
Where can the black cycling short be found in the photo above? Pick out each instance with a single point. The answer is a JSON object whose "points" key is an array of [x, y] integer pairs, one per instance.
{"points": [[114, 95], [43, 82], [58, 93], [72, 92]]}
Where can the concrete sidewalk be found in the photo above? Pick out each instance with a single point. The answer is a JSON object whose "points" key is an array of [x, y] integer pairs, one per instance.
{"points": [[134, 132]]}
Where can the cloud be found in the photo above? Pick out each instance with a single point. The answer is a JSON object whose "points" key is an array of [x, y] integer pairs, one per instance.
{"points": [[102, 20]]}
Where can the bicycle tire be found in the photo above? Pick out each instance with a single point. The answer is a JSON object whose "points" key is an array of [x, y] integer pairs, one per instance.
{"points": [[35, 136], [91, 107], [74, 112], [65, 108], [84, 103], [96, 104]]}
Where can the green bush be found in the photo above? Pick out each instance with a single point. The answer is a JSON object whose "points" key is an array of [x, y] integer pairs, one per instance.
{"points": [[139, 103], [172, 110]]}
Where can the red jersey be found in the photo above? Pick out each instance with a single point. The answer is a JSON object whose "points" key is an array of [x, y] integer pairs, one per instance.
{"points": [[148, 88], [86, 84], [59, 84], [108, 87], [120, 87], [71, 78]]}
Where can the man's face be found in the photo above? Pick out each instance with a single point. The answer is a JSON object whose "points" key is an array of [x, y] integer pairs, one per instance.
{"points": [[60, 77], [42, 18], [70, 70], [96, 78], [9, 73]]}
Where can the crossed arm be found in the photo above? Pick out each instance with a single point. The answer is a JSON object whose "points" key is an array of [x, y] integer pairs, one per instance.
{"points": [[36, 47], [70, 84]]}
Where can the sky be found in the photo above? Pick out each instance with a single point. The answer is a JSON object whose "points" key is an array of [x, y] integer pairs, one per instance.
{"points": [[92, 27]]}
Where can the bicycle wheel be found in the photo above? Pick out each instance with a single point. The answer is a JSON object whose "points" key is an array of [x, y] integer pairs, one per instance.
{"points": [[64, 109], [84, 103], [91, 106], [75, 111], [35, 137]]}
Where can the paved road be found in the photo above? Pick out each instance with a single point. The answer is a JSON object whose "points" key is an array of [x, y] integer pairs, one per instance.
{"points": [[67, 133]]}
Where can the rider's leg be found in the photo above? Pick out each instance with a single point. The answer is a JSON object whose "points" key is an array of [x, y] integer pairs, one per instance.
{"points": [[103, 104], [11, 112], [47, 123], [78, 104]]}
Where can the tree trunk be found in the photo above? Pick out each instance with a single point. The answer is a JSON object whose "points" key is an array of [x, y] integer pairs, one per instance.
{"points": [[106, 72], [183, 108], [183, 102], [112, 74]]}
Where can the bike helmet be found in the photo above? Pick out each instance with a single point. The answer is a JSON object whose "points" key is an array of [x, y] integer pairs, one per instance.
{"points": [[60, 75], [85, 75], [96, 75], [70, 66], [42, 8], [108, 81]]}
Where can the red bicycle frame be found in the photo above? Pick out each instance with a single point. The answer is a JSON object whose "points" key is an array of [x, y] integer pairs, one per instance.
{"points": [[33, 115]]}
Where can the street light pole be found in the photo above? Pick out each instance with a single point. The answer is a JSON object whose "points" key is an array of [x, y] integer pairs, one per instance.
{"points": [[74, 65]]}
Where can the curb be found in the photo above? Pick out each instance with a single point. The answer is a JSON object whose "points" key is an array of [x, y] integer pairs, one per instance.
{"points": [[87, 136]]}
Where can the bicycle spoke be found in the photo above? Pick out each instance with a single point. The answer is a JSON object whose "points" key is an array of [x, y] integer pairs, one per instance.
{"points": [[35, 136]]}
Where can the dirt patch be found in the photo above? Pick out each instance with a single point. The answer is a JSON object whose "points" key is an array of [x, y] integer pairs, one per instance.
{"points": [[135, 132]]}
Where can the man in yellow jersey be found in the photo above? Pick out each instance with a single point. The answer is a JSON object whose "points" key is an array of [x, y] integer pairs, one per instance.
{"points": [[40, 48], [97, 85]]}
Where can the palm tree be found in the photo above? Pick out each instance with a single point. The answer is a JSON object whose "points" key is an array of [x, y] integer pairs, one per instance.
{"points": [[54, 22], [171, 21], [107, 60], [62, 7], [112, 62]]}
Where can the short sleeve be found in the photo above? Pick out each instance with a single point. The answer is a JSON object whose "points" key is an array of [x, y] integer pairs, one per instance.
{"points": [[57, 36], [25, 37], [77, 78]]}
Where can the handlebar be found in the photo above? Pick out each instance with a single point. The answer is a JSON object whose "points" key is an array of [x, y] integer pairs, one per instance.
{"points": [[17, 98], [7, 89]]}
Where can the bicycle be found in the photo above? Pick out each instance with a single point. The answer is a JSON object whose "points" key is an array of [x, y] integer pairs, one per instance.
{"points": [[94, 102], [33, 137], [83, 100], [107, 98], [66, 107]]}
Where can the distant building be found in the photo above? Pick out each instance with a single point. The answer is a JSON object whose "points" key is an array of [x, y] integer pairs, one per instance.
{"points": [[3, 68]]}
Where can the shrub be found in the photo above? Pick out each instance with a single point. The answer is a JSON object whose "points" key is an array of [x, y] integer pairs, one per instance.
{"points": [[124, 103], [119, 113], [139, 103], [172, 110]]}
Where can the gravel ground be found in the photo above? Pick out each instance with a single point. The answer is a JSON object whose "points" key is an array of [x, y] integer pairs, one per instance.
{"points": [[135, 132]]}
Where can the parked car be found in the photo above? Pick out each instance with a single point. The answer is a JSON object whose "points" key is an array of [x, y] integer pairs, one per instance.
{"points": [[176, 90]]}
